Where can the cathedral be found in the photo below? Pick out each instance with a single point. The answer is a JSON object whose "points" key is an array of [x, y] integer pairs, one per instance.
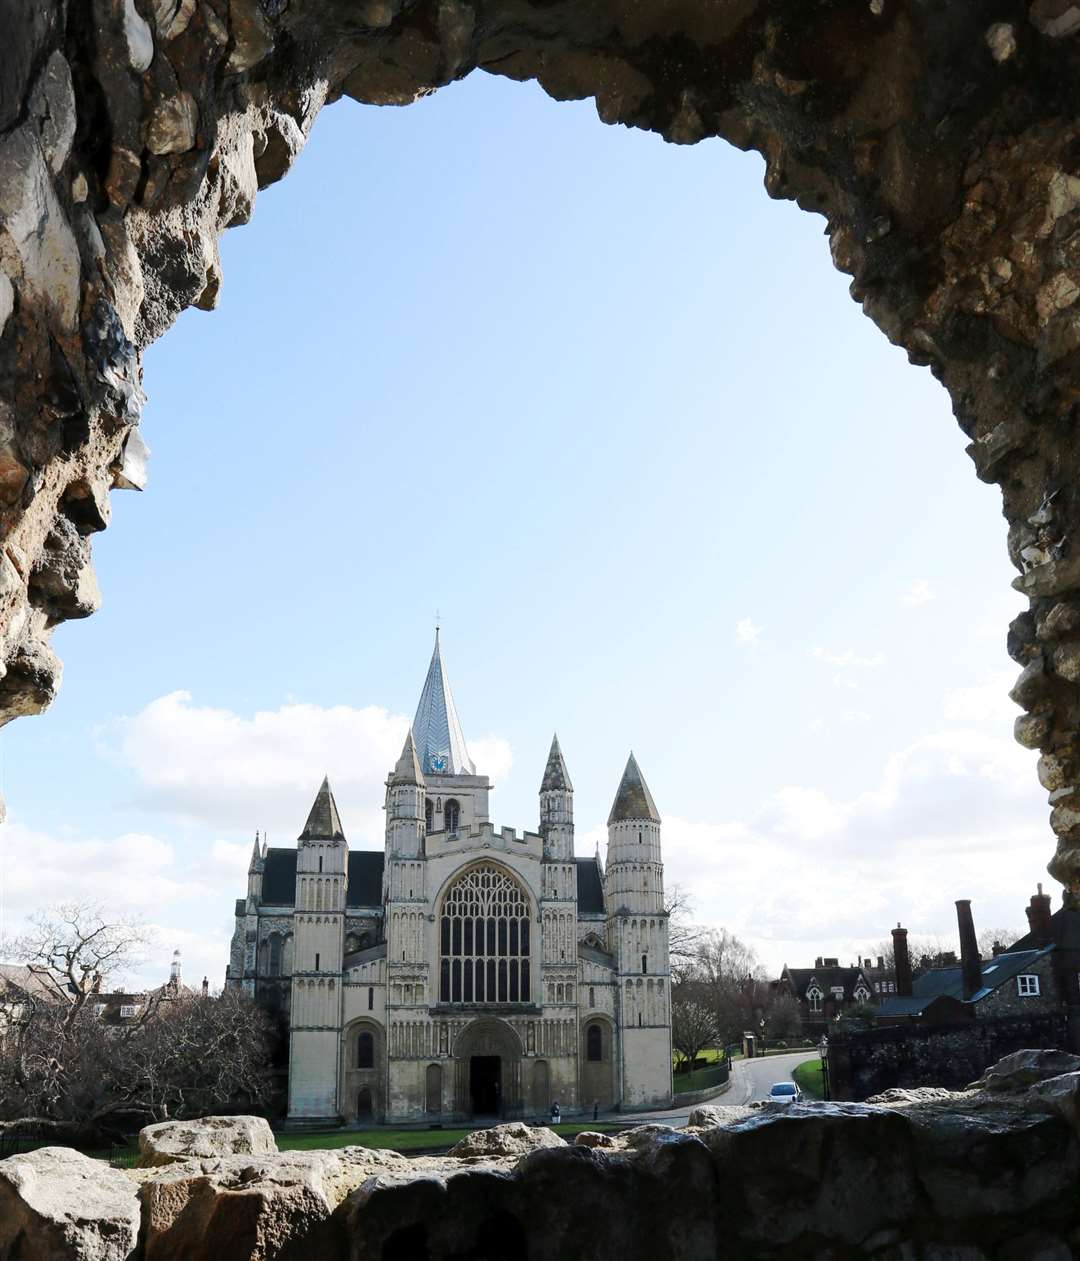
{"points": [[463, 971]]}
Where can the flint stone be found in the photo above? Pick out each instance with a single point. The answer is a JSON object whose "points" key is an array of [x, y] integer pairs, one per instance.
{"points": [[173, 125], [56, 1203], [912, 1095], [514, 1139], [1031, 730], [708, 1115], [7, 300], [31, 215], [1067, 660], [1063, 619], [171, 1141], [53, 105], [140, 42]]}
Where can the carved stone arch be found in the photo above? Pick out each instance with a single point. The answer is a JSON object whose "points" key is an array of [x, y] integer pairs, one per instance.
{"points": [[597, 1061], [488, 1038], [370, 1077]]}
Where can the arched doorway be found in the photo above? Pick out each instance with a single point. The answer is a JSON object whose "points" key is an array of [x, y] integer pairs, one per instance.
{"points": [[365, 1108], [487, 1070]]}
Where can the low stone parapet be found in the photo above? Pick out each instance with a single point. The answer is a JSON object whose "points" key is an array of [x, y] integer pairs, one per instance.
{"points": [[979, 1174]]}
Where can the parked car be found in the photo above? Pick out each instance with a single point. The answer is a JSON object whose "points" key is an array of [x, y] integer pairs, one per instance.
{"points": [[785, 1092]]}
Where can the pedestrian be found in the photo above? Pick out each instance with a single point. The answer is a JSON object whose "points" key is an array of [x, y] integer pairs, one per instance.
{"points": [[595, 1109], [556, 1115]]}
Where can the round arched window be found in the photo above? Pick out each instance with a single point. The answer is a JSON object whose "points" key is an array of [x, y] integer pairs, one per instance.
{"points": [[594, 1043], [484, 939], [365, 1051]]}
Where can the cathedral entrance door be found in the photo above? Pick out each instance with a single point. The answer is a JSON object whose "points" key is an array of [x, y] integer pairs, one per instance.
{"points": [[485, 1085]]}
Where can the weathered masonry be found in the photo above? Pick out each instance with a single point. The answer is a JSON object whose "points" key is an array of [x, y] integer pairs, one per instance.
{"points": [[940, 142], [463, 970]]}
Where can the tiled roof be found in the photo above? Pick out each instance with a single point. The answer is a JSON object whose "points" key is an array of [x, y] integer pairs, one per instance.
{"points": [[995, 972], [827, 979]]}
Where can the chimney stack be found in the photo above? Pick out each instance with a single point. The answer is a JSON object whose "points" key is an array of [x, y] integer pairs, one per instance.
{"points": [[1038, 914], [902, 961], [970, 963]]}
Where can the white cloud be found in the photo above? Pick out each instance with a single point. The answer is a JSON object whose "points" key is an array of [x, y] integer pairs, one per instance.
{"points": [[241, 772], [813, 872], [848, 664], [747, 634], [917, 593], [985, 702]]}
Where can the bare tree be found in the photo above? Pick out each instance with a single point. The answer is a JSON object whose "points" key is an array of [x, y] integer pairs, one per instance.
{"points": [[184, 1054], [683, 934], [991, 937], [693, 1026]]}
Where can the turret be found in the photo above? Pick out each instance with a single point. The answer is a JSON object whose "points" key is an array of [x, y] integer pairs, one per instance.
{"points": [[255, 873], [405, 791], [557, 806], [175, 972], [322, 859], [634, 871]]}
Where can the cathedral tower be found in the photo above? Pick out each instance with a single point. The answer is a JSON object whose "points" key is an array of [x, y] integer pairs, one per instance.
{"points": [[322, 867], [558, 876], [638, 938]]}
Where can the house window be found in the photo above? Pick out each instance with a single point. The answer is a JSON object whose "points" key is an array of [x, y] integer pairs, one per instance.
{"points": [[128, 1012], [814, 999], [1027, 986], [484, 936], [365, 1051], [451, 815]]}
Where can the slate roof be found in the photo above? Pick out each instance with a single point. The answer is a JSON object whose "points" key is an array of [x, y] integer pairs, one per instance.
{"points": [[995, 972], [633, 799], [366, 873], [827, 980], [556, 776], [590, 886], [436, 728], [324, 822]]}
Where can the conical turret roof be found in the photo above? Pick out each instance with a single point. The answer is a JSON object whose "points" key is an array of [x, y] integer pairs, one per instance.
{"points": [[324, 822], [633, 800], [440, 745], [256, 856], [407, 770], [556, 776]]}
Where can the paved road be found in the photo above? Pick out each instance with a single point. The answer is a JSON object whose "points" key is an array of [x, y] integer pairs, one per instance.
{"points": [[752, 1080]]}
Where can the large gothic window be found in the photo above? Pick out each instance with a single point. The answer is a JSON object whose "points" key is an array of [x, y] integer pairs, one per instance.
{"points": [[484, 939]]}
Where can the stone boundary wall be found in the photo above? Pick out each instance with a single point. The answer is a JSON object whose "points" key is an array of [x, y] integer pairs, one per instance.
{"points": [[865, 1063], [692, 1097]]}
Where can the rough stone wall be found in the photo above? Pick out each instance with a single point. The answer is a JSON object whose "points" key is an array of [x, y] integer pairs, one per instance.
{"points": [[866, 1063], [941, 142], [1007, 1000], [982, 1175]]}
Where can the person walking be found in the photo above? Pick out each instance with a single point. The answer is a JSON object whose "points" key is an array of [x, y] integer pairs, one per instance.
{"points": [[595, 1109], [556, 1115]]}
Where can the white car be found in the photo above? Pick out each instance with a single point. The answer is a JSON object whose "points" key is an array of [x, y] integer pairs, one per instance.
{"points": [[785, 1092]]}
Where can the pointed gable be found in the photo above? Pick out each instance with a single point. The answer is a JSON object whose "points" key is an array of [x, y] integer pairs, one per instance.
{"points": [[633, 800], [324, 822], [556, 776], [440, 744]]}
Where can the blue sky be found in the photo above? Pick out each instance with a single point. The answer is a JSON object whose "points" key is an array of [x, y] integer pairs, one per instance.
{"points": [[612, 412]]}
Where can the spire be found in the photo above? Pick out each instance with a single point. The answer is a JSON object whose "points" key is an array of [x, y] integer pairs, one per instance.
{"points": [[407, 770], [256, 856], [556, 776], [324, 822], [633, 800], [440, 745]]}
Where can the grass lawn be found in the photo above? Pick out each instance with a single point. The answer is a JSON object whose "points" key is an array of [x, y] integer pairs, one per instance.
{"points": [[404, 1140], [808, 1077]]}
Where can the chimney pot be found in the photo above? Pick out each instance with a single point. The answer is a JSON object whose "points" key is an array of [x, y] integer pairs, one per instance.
{"points": [[902, 962]]}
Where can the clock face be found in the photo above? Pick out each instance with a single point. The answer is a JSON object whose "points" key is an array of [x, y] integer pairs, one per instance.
{"points": [[438, 763]]}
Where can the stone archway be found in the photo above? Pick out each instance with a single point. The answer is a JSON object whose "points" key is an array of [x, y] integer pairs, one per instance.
{"points": [[487, 1070], [939, 146]]}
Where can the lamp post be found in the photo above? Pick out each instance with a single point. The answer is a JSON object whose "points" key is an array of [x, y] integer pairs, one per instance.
{"points": [[823, 1051]]}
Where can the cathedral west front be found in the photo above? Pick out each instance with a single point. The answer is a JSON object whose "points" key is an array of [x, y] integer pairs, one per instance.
{"points": [[463, 971]]}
